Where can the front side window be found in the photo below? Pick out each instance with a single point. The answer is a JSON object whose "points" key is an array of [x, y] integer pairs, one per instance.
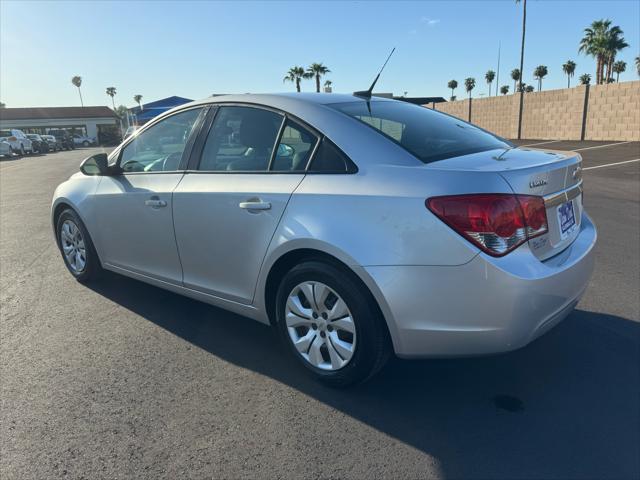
{"points": [[161, 146], [428, 135], [294, 149], [241, 139]]}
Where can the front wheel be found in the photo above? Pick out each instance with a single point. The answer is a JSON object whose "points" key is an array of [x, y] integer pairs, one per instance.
{"points": [[330, 323], [77, 249]]}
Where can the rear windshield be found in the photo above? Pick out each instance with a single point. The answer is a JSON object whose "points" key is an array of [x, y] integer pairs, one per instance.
{"points": [[428, 135]]}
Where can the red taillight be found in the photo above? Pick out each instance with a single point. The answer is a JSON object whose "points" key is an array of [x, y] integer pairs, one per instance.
{"points": [[497, 223]]}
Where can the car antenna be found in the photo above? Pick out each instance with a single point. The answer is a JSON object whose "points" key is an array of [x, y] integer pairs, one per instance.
{"points": [[367, 93]]}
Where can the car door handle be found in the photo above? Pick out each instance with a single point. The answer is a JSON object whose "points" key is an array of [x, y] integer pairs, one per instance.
{"points": [[255, 205], [155, 203]]}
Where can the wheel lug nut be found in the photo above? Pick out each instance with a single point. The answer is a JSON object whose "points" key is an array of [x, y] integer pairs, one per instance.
{"points": [[314, 326], [322, 334], [314, 315], [324, 315]]}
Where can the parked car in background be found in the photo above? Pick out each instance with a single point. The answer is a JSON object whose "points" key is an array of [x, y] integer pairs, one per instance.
{"points": [[39, 144], [17, 140], [130, 131], [83, 141], [5, 149], [358, 227], [54, 144], [66, 140]]}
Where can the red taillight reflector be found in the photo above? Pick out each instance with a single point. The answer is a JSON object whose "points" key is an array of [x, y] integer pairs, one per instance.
{"points": [[497, 223]]}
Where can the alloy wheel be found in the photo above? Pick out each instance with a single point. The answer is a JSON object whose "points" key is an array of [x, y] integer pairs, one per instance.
{"points": [[73, 246], [320, 325]]}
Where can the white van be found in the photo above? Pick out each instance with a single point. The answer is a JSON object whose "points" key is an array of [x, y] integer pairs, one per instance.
{"points": [[17, 140]]}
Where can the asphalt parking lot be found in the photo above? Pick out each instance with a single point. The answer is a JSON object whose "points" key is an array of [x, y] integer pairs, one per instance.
{"points": [[124, 380]]}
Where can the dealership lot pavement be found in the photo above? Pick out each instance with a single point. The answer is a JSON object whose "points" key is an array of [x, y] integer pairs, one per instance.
{"points": [[122, 380]]}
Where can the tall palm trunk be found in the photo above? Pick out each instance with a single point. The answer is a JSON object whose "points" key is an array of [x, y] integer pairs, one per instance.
{"points": [[568, 81], [524, 26], [80, 93], [298, 84], [317, 83]]}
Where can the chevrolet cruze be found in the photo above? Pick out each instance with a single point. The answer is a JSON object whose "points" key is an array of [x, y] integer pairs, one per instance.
{"points": [[358, 227]]}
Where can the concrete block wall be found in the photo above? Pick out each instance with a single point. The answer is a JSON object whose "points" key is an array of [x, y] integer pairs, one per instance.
{"points": [[459, 108], [613, 113], [553, 114]]}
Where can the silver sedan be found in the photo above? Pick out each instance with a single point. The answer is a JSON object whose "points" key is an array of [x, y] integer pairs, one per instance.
{"points": [[358, 227]]}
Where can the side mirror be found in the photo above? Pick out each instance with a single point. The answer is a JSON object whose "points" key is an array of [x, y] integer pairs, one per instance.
{"points": [[95, 165]]}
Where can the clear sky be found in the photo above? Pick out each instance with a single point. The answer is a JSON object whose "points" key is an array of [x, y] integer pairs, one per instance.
{"points": [[193, 49]]}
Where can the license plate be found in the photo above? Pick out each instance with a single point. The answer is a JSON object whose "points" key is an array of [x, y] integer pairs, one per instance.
{"points": [[566, 219]]}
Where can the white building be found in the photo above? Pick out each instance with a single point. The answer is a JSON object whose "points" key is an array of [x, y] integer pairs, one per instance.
{"points": [[90, 121]]}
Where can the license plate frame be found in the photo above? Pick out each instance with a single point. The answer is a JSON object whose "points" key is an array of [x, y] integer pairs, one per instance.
{"points": [[566, 219]]}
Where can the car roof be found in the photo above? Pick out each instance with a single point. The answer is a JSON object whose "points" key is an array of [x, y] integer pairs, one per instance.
{"points": [[289, 97]]}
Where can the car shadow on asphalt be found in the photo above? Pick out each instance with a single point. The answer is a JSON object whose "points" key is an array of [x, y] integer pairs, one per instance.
{"points": [[566, 406]]}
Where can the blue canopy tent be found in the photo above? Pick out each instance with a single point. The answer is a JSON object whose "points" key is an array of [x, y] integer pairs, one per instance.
{"points": [[153, 109]]}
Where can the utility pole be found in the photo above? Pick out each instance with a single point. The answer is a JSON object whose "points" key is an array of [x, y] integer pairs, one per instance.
{"points": [[524, 23], [498, 71]]}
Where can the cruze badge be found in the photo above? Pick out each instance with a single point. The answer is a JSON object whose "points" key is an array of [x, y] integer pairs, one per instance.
{"points": [[537, 183]]}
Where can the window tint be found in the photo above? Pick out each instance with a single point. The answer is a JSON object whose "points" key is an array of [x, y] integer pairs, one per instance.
{"points": [[329, 159], [295, 147], [428, 135], [240, 139], [160, 147]]}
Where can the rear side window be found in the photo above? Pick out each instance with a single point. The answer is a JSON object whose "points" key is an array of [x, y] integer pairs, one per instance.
{"points": [[294, 149], [329, 159], [241, 139], [428, 135]]}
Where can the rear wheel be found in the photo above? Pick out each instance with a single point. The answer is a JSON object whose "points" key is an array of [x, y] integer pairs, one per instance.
{"points": [[330, 324], [85, 144], [77, 249]]}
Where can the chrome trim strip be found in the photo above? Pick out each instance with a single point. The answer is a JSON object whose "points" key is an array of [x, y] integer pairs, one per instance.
{"points": [[559, 198]]}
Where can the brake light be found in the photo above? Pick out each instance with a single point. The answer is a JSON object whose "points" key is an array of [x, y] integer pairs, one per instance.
{"points": [[496, 223]]}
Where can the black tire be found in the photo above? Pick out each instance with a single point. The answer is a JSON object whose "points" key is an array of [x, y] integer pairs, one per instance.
{"points": [[92, 268], [85, 144], [372, 346]]}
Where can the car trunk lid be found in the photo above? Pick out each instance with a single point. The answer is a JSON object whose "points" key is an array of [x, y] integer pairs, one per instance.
{"points": [[554, 175]]}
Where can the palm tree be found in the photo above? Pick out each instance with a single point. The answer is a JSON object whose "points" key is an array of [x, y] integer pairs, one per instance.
{"points": [[515, 76], [317, 70], [529, 88], [469, 84], [603, 42], [77, 81], [111, 91], [638, 65], [614, 43], [539, 73], [569, 68], [585, 79], [138, 99], [453, 84], [295, 75], [618, 68], [490, 77], [504, 89], [327, 86]]}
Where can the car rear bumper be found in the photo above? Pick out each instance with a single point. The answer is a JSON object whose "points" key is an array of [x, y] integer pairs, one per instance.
{"points": [[488, 305]]}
